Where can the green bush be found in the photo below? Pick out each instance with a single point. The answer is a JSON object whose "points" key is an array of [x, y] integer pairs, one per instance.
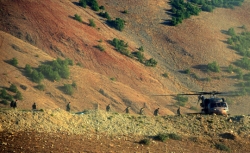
{"points": [[100, 48], [231, 32], [74, 84], [18, 95], [117, 24], [174, 136], [5, 102], [83, 3], [14, 62], [92, 23], [165, 75], [214, 67], [13, 88], [28, 69], [161, 137], [40, 87], [105, 15], [187, 71], [120, 46], [36, 76], [68, 89], [181, 100], [78, 17], [145, 141], [151, 62], [221, 146]]}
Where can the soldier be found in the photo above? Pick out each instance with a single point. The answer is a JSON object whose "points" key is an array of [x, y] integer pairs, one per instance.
{"points": [[156, 112], [12, 103], [141, 111], [108, 108], [179, 111], [34, 106], [68, 107], [127, 110], [15, 104]]}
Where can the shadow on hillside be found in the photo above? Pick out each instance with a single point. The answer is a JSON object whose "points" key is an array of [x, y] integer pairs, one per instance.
{"points": [[167, 22], [201, 67], [224, 32], [76, 3]]}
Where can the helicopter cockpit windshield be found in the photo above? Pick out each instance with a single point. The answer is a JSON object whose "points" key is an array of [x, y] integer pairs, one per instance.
{"points": [[220, 104]]}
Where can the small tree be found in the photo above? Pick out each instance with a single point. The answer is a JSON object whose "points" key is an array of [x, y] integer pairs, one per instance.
{"points": [[214, 67], [68, 89], [18, 95], [83, 3], [14, 62], [92, 23], [78, 17], [28, 69], [13, 88]]}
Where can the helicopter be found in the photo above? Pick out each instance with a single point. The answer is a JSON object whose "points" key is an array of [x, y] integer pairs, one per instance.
{"points": [[211, 105]]}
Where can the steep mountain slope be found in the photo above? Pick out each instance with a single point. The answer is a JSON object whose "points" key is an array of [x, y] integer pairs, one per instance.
{"points": [[49, 26]]}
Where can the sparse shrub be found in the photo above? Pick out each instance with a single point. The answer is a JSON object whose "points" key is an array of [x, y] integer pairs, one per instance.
{"points": [[139, 56], [230, 68], [18, 95], [70, 61], [105, 15], [83, 3], [174, 136], [74, 84], [40, 87], [145, 141], [36, 76], [78, 17], [113, 79], [13, 88], [181, 100], [125, 12], [5, 102], [141, 49], [68, 89], [117, 23], [187, 71], [92, 23], [100, 48], [165, 75], [151, 62], [79, 64], [120, 46], [3, 93], [28, 69], [161, 137], [221, 146], [14, 62], [214, 67], [102, 7], [231, 32]]}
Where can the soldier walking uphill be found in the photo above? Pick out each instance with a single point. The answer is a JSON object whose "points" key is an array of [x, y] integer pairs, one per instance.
{"points": [[34, 106], [156, 112], [127, 109], [141, 111], [13, 104], [108, 108], [68, 107], [179, 111]]}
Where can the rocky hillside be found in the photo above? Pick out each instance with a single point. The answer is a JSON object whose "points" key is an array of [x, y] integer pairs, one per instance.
{"points": [[99, 131]]}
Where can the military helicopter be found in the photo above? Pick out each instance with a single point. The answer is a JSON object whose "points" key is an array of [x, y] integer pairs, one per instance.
{"points": [[212, 105]]}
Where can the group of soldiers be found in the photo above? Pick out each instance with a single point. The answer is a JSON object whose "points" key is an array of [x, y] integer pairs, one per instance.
{"points": [[13, 104], [127, 110]]}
